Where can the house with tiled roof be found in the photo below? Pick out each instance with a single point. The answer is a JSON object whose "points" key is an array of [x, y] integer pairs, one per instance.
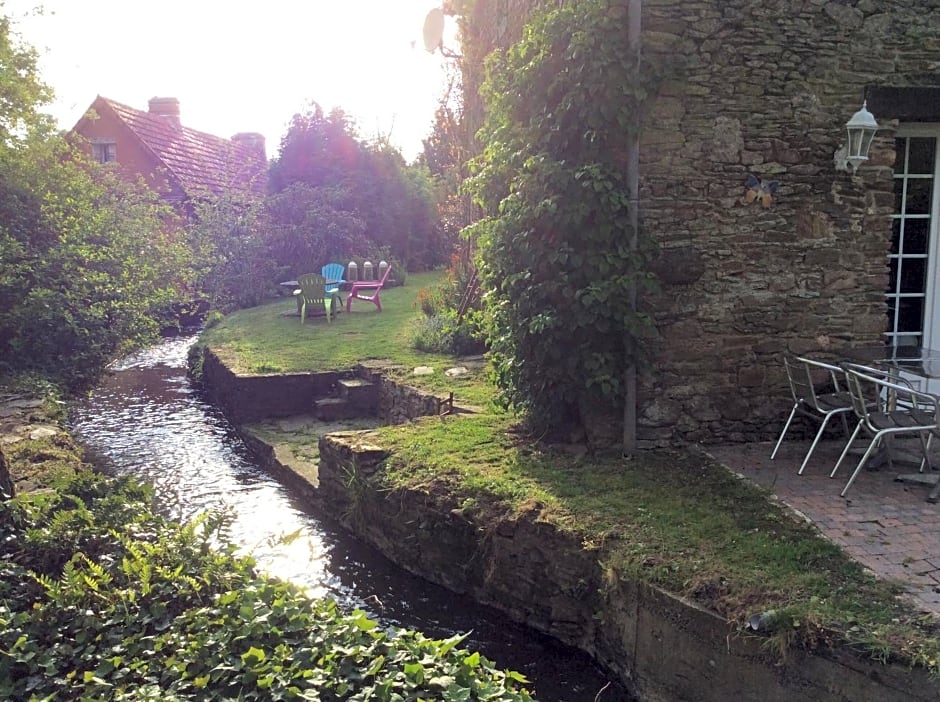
{"points": [[180, 163]]}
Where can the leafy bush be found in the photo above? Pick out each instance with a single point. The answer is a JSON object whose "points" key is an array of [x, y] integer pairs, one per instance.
{"points": [[233, 266], [88, 260], [102, 599], [434, 301], [555, 247], [443, 333]]}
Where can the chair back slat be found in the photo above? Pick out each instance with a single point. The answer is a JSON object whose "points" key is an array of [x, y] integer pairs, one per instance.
{"points": [[803, 385], [864, 395], [801, 382]]}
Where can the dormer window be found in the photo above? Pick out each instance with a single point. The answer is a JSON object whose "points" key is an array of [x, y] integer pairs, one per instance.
{"points": [[104, 150]]}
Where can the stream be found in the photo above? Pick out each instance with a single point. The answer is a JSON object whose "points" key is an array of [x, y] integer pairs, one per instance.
{"points": [[147, 420]]}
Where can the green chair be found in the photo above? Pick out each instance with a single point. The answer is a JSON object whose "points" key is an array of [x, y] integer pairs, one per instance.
{"points": [[313, 294]]}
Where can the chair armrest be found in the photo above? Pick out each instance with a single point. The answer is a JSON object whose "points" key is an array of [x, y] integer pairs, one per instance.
{"points": [[835, 372], [880, 373], [919, 399]]}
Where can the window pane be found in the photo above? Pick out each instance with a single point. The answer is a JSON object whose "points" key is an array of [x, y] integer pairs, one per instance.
{"points": [[898, 194], [896, 235], [918, 195], [899, 145], [921, 157], [913, 275], [910, 314], [891, 310], [893, 264], [916, 232]]}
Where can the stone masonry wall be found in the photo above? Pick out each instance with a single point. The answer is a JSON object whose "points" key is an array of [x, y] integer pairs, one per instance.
{"points": [[249, 398], [661, 647], [765, 89]]}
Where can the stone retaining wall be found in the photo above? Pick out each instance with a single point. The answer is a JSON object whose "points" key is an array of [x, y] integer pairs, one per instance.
{"points": [[399, 403], [663, 648], [250, 398]]}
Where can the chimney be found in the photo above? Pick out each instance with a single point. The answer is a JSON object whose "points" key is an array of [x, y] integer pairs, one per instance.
{"points": [[166, 107], [253, 141]]}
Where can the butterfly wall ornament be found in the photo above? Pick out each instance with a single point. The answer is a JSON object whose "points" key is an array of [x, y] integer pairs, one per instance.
{"points": [[759, 190]]}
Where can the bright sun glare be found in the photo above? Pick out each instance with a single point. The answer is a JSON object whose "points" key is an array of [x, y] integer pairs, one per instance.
{"points": [[241, 67]]}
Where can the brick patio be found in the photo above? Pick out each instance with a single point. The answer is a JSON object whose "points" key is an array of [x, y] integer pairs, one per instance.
{"points": [[886, 525]]}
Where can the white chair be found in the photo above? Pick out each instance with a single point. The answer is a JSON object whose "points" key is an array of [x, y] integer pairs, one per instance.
{"points": [[821, 406], [887, 407]]}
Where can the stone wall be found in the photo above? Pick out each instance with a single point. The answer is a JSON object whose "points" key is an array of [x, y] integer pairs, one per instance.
{"points": [[399, 403], [249, 398], [661, 647], [764, 89]]}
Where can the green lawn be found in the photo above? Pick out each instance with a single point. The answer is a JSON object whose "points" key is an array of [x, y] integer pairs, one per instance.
{"points": [[671, 518], [271, 339]]}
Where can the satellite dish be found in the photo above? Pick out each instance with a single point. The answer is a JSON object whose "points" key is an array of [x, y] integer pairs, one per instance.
{"points": [[434, 29]]}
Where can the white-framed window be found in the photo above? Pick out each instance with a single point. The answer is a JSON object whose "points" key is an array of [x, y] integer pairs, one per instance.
{"points": [[104, 151], [914, 257]]}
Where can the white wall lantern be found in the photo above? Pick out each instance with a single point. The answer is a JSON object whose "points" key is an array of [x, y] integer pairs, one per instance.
{"points": [[861, 132]]}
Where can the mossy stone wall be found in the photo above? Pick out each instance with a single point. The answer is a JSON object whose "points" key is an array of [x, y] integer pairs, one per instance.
{"points": [[660, 646]]}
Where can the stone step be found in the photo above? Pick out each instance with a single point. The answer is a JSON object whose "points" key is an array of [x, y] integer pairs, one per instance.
{"points": [[362, 393], [328, 409]]}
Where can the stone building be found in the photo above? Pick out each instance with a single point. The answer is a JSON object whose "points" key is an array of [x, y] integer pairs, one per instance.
{"points": [[765, 91]]}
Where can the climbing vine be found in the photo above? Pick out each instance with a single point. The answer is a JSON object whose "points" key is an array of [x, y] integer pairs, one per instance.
{"points": [[556, 252]]}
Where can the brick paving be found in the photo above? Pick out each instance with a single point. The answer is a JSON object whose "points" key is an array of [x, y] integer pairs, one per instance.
{"points": [[886, 525]]}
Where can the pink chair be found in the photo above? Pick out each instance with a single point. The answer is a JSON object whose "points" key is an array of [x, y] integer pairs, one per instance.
{"points": [[367, 290]]}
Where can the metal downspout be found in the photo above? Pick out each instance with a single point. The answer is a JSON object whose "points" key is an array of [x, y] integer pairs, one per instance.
{"points": [[634, 12]]}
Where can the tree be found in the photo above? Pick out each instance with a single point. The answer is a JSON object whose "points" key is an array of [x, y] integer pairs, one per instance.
{"points": [[318, 149], [234, 268], [555, 252], [335, 196], [311, 226], [21, 91], [88, 260]]}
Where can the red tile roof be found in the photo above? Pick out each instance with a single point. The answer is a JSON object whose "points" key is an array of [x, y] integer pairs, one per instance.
{"points": [[199, 162]]}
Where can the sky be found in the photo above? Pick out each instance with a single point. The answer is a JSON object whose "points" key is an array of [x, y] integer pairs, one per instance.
{"points": [[245, 66]]}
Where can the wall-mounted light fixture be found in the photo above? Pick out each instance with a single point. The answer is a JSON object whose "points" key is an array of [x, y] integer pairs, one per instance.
{"points": [[861, 131]]}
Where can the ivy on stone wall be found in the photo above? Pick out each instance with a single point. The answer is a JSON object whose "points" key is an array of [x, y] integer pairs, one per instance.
{"points": [[562, 106]]}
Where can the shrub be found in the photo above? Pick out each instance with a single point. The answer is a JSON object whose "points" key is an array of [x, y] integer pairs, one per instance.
{"points": [[442, 333], [102, 599], [556, 255]]}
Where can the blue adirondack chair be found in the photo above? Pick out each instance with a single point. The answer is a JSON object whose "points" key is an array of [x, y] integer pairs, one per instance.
{"points": [[333, 274]]}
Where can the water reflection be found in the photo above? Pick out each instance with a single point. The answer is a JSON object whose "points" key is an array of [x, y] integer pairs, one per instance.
{"points": [[147, 420]]}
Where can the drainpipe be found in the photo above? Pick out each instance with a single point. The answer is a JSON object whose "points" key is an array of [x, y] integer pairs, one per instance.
{"points": [[634, 11]]}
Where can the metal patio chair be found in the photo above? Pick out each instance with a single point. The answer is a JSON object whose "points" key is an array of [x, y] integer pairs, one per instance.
{"points": [[809, 402], [886, 407]]}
